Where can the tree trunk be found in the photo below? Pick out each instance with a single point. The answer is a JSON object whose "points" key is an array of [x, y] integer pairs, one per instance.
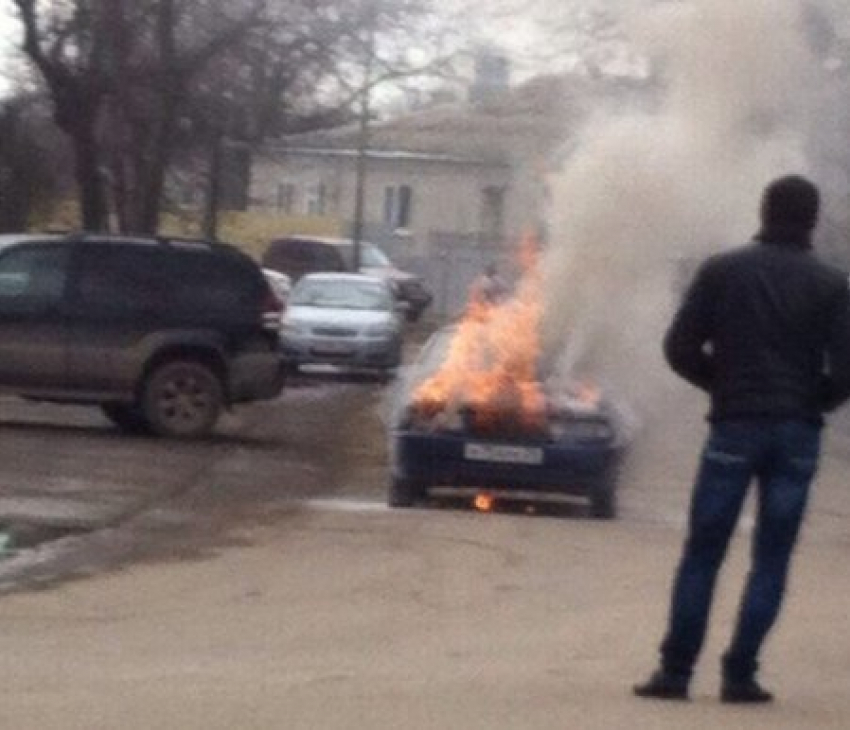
{"points": [[94, 211], [154, 180], [152, 154], [213, 201], [141, 168]]}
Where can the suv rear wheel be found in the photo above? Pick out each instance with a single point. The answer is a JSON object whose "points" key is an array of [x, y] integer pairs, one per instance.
{"points": [[182, 398]]}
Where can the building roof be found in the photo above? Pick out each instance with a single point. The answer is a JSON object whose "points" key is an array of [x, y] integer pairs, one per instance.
{"points": [[534, 117]]}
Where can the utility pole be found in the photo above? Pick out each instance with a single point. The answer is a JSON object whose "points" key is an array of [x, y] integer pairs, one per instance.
{"points": [[363, 141]]}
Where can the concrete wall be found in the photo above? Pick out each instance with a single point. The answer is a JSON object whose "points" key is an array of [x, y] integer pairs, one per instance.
{"points": [[446, 196], [444, 242]]}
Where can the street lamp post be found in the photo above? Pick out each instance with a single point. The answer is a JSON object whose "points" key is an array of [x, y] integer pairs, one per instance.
{"points": [[363, 146]]}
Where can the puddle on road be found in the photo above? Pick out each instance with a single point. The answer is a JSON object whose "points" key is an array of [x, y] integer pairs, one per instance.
{"points": [[17, 538]]}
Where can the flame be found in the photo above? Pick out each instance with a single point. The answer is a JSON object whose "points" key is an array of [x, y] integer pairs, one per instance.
{"points": [[587, 393], [484, 502], [491, 369]]}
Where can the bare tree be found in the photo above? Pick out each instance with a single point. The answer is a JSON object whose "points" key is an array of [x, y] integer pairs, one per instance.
{"points": [[117, 73], [130, 82], [305, 69], [157, 68], [28, 153], [65, 45]]}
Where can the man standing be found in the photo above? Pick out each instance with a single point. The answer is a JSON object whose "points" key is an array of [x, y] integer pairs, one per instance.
{"points": [[764, 329]]}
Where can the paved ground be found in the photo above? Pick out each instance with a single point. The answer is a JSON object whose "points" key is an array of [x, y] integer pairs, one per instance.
{"points": [[259, 582], [333, 612], [373, 619]]}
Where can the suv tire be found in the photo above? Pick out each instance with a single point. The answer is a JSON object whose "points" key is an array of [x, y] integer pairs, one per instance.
{"points": [[127, 416], [182, 398]]}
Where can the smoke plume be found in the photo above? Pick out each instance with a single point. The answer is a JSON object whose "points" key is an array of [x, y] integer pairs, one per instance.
{"points": [[646, 194]]}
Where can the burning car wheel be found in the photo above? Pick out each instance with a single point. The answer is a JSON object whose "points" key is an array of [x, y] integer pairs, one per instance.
{"points": [[603, 495], [404, 492]]}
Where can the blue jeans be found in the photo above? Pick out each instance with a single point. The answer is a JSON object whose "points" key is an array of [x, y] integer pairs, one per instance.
{"points": [[781, 456]]}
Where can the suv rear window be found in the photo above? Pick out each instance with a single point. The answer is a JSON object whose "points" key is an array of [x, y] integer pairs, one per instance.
{"points": [[370, 255], [216, 282], [297, 257], [35, 274]]}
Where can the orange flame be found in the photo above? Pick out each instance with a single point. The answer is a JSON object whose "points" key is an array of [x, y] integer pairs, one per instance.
{"points": [[484, 502], [491, 368]]}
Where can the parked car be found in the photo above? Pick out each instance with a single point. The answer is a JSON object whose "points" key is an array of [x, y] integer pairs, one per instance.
{"points": [[342, 319], [299, 255], [577, 454], [281, 285], [162, 334]]}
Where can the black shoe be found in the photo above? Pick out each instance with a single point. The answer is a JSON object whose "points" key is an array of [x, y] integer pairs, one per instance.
{"points": [[744, 692], [663, 686]]}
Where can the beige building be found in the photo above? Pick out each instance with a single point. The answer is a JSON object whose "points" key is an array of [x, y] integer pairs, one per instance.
{"points": [[475, 170], [458, 182], [409, 196]]}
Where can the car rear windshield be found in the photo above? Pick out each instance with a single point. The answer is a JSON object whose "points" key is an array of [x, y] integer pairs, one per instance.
{"points": [[370, 256], [342, 293]]}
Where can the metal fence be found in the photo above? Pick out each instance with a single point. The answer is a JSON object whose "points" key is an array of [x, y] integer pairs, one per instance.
{"points": [[450, 268]]}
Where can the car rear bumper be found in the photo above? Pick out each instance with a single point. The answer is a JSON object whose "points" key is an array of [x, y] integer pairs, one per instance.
{"points": [[359, 354], [443, 460]]}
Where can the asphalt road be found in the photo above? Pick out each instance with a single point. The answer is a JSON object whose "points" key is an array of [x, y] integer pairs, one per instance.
{"points": [[78, 497], [256, 580]]}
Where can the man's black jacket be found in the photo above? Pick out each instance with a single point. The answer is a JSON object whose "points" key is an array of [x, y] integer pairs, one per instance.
{"points": [[765, 330]]}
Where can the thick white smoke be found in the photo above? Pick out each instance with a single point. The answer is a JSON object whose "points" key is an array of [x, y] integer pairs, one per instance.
{"points": [[646, 194]]}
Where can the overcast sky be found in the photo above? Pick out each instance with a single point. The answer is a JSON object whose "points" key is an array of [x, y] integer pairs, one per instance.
{"points": [[8, 37]]}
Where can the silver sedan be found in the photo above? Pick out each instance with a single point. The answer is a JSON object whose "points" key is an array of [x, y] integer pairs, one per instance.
{"points": [[341, 319]]}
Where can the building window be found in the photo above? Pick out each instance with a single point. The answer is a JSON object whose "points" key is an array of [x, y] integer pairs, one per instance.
{"points": [[398, 205], [316, 201], [285, 198]]}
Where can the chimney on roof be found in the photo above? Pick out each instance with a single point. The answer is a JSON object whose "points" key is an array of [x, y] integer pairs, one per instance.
{"points": [[492, 76]]}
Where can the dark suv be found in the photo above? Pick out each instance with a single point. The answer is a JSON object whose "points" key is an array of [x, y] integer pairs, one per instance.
{"points": [[297, 255], [160, 333]]}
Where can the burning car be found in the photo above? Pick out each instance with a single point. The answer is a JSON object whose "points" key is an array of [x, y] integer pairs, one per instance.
{"points": [[476, 416]]}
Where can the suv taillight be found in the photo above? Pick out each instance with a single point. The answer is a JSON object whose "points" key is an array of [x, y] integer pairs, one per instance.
{"points": [[272, 311]]}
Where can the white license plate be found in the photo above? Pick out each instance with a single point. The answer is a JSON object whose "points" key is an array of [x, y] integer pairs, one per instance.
{"points": [[503, 453]]}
